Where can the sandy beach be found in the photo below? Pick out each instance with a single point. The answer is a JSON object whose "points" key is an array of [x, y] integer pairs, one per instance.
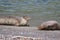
{"points": [[8, 32]]}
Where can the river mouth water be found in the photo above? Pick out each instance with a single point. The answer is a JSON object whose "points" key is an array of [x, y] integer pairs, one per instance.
{"points": [[39, 10]]}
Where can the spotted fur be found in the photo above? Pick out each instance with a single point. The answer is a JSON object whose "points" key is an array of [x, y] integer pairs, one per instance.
{"points": [[10, 20]]}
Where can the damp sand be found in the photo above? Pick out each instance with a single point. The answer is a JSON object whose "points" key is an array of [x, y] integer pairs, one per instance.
{"points": [[10, 32]]}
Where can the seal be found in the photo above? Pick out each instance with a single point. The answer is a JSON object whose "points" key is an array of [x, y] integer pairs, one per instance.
{"points": [[49, 25], [10, 20], [24, 20]]}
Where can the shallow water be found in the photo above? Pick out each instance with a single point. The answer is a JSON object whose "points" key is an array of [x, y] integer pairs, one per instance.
{"points": [[38, 10]]}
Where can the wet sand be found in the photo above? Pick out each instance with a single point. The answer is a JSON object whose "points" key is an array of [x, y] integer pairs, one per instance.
{"points": [[11, 31]]}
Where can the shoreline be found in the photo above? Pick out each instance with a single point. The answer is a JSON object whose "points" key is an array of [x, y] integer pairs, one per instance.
{"points": [[14, 32]]}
